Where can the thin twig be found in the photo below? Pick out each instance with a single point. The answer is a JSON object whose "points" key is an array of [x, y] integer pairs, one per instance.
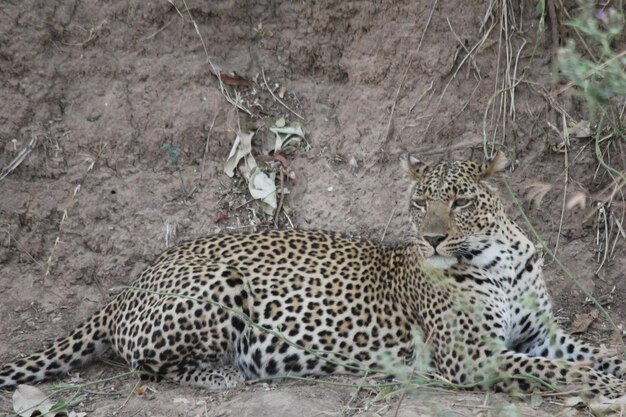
{"points": [[93, 34], [555, 24], [288, 218], [382, 238], [244, 204], [462, 44], [127, 398], [206, 147], [278, 98], [17, 242], [19, 158], [565, 134], [160, 30], [403, 395], [602, 216], [282, 197]]}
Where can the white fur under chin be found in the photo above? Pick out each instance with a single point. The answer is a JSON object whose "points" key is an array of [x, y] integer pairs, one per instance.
{"points": [[439, 262]]}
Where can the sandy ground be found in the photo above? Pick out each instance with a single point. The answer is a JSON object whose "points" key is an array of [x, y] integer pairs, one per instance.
{"points": [[103, 86]]}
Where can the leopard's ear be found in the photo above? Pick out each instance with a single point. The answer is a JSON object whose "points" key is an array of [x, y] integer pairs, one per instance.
{"points": [[413, 167], [496, 164]]}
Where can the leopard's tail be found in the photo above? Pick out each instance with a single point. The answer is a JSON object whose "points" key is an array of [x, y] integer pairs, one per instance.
{"points": [[72, 351]]}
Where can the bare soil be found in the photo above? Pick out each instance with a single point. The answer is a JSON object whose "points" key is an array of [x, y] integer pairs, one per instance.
{"points": [[103, 86]]}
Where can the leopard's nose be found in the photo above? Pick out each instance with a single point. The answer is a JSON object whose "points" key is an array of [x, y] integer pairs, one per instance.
{"points": [[435, 240]]}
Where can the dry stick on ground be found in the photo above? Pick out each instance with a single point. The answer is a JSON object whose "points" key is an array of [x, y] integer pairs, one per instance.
{"points": [[161, 29], [620, 230], [93, 34], [206, 146], [132, 391], [607, 214], [278, 98], [565, 134], [458, 39], [279, 208], [403, 395], [429, 88], [19, 158], [602, 217], [288, 219], [555, 26], [382, 238], [20, 246]]}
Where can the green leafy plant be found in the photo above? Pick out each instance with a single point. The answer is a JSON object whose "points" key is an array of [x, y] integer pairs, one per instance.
{"points": [[593, 65]]}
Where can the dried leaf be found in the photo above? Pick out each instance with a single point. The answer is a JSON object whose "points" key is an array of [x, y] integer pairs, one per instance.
{"points": [[241, 148], [574, 401], [536, 191], [560, 146], [280, 158], [234, 80], [286, 168], [29, 401], [605, 406], [578, 199], [583, 321], [76, 378], [386, 393], [139, 391], [580, 130], [287, 139], [180, 400], [264, 33], [263, 188], [486, 45], [245, 169], [219, 217]]}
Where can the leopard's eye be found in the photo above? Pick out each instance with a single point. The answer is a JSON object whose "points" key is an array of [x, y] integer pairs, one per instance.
{"points": [[419, 203], [461, 202]]}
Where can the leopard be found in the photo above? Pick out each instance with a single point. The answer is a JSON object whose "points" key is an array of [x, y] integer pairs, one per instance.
{"points": [[463, 297]]}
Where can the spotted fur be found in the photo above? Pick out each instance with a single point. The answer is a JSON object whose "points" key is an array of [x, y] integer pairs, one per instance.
{"points": [[464, 291]]}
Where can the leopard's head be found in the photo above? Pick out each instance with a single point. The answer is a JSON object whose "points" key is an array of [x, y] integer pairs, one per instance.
{"points": [[452, 202]]}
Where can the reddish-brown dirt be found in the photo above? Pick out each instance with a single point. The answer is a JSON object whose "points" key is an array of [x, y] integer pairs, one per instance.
{"points": [[103, 86]]}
